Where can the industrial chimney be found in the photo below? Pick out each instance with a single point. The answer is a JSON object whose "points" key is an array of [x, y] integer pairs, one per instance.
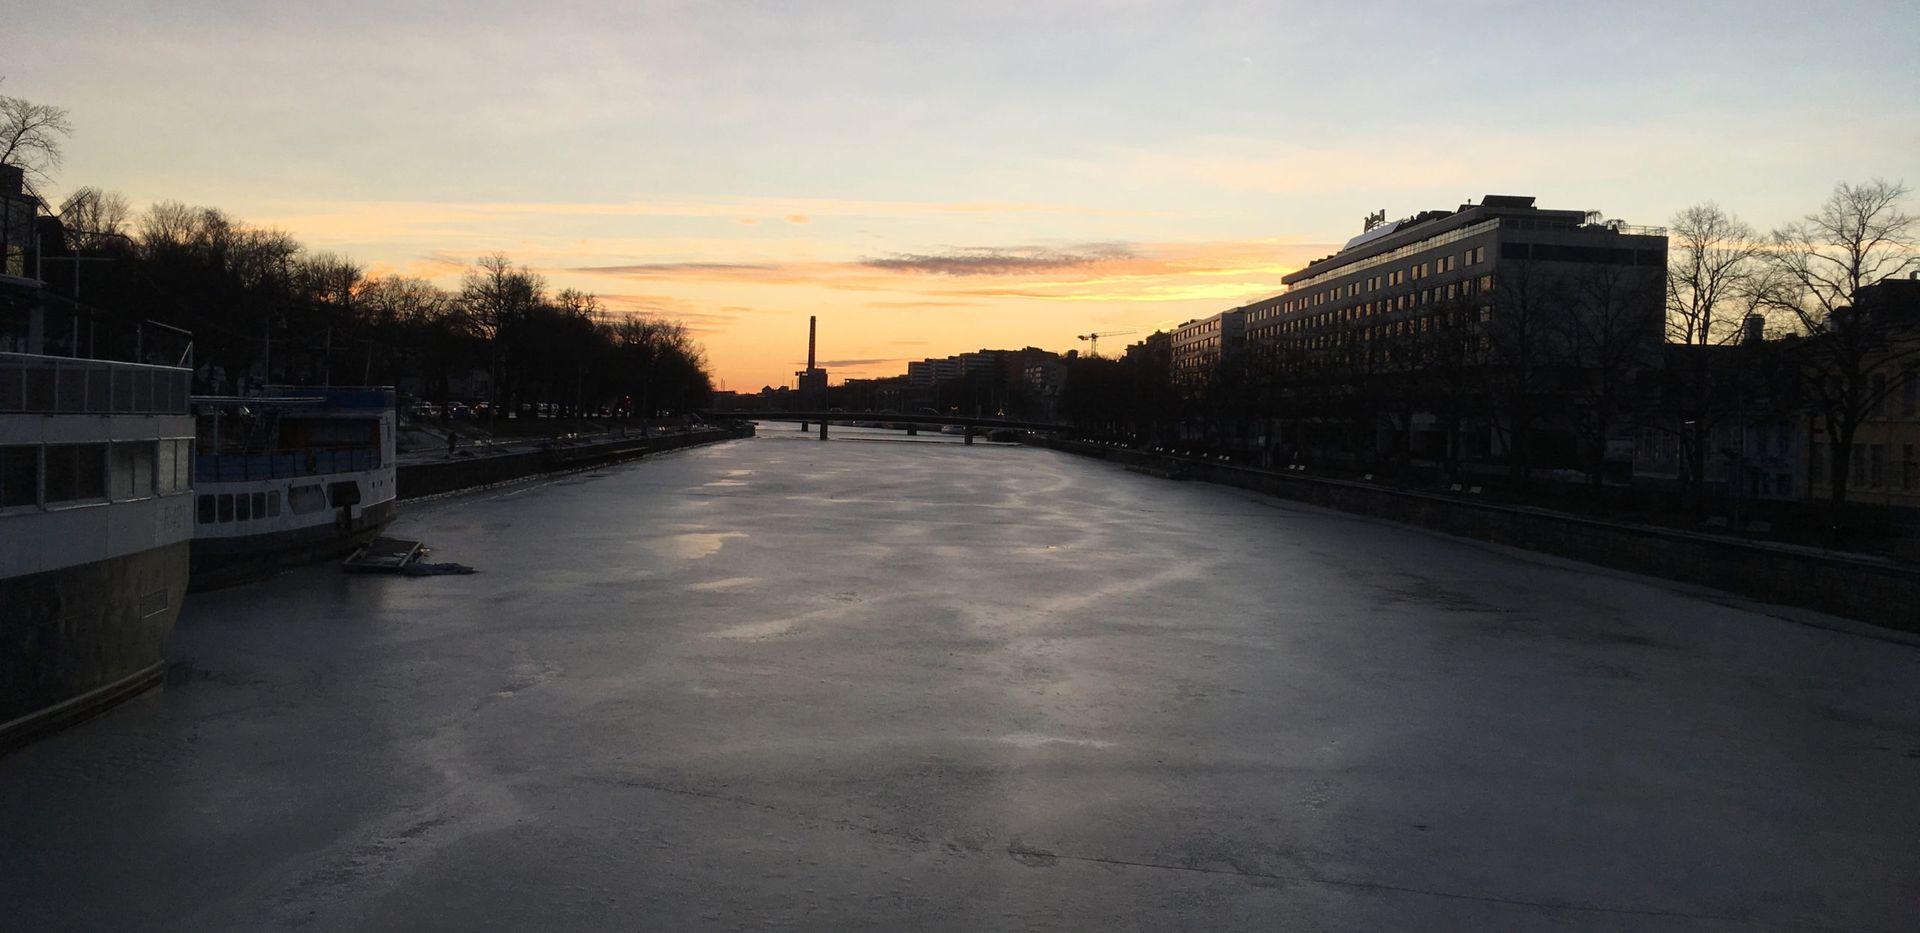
{"points": [[810, 321]]}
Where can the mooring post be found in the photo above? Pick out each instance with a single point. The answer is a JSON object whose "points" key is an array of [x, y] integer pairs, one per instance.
{"points": [[913, 430], [823, 429], [803, 427], [969, 435]]}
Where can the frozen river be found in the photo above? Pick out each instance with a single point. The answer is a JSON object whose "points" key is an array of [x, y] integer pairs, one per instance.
{"points": [[779, 683]]}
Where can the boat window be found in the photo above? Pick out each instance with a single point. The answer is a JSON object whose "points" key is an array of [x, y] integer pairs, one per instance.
{"points": [[305, 499], [206, 510], [226, 506], [19, 476], [242, 508], [259, 505], [75, 472], [344, 493], [131, 469], [174, 466], [39, 388], [273, 503]]}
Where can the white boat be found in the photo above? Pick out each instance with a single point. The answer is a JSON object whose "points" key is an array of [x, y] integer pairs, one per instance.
{"points": [[95, 518], [290, 477]]}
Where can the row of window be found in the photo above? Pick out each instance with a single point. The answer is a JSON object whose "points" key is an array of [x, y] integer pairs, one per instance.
{"points": [[1412, 273], [252, 506], [1426, 297], [1423, 245], [1909, 394], [55, 474], [37, 384], [1868, 468]]}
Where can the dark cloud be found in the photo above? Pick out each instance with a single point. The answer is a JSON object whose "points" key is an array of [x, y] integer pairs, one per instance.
{"points": [[993, 260], [846, 364]]}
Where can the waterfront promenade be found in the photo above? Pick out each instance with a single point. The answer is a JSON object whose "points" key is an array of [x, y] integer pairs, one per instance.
{"points": [[875, 684]]}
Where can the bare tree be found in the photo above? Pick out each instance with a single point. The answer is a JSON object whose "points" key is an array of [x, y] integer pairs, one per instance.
{"points": [[1849, 364], [96, 220], [1609, 331], [1715, 280], [1523, 348], [495, 296], [576, 303], [31, 137], [1712, 274]]}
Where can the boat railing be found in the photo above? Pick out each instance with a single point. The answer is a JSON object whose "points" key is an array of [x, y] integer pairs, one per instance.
{"points": [[62, 385], [234, 468]]}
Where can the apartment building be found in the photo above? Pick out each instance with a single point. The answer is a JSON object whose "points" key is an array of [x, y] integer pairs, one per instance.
{"points": [[1201, 347], [923, 374], [1445, 288]]}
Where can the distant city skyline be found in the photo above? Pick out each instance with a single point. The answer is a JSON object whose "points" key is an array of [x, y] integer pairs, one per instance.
{"points": [[930, 181]]}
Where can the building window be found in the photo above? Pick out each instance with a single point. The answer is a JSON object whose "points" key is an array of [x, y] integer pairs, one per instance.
{"points": [[1817, 463], [1877, 465]]}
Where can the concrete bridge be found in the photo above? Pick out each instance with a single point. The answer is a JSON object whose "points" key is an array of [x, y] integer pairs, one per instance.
{"points": [[913, 422]]}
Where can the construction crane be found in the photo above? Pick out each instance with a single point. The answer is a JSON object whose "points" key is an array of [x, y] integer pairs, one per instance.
{"points": [[1093, 339]]}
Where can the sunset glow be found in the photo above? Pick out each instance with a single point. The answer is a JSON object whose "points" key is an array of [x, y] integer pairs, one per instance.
{"points": [[930, 181]]}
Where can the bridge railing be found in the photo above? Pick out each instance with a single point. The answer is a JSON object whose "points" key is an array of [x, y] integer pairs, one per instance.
{"points": [[886, 418]]}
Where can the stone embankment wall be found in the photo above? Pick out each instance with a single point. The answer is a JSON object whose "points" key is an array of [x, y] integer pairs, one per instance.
{"points": [[1883, 592], [439, 476]]}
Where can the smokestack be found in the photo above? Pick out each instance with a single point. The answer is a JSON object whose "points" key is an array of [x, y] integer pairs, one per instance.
{"points": [[810, 320], [1756, 329]]}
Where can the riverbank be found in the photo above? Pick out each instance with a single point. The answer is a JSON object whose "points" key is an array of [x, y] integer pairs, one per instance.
{"points": [[471, 467], [1877, 590]]}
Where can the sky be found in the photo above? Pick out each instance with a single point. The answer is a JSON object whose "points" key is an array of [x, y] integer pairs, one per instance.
{"points": [[932, 179]]}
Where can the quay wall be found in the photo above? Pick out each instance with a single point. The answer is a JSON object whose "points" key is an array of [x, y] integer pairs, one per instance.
{"points": [[431, 478], [1880, 591]]}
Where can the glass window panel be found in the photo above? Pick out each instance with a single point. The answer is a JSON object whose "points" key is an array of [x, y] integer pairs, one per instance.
{"points": [[131, 469], [19, 476], [75, 472]]}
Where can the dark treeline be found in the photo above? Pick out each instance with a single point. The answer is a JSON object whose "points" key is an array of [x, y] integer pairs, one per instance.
{"points": [[264, 310]]}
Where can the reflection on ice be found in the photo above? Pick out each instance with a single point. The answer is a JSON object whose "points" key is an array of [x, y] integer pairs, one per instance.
{"points": [[692, 545], [725, 583], [1037, 740]]}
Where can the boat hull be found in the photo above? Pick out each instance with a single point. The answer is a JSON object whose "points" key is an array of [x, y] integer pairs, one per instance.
{"points": [[77, 640], [227, 561]]}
